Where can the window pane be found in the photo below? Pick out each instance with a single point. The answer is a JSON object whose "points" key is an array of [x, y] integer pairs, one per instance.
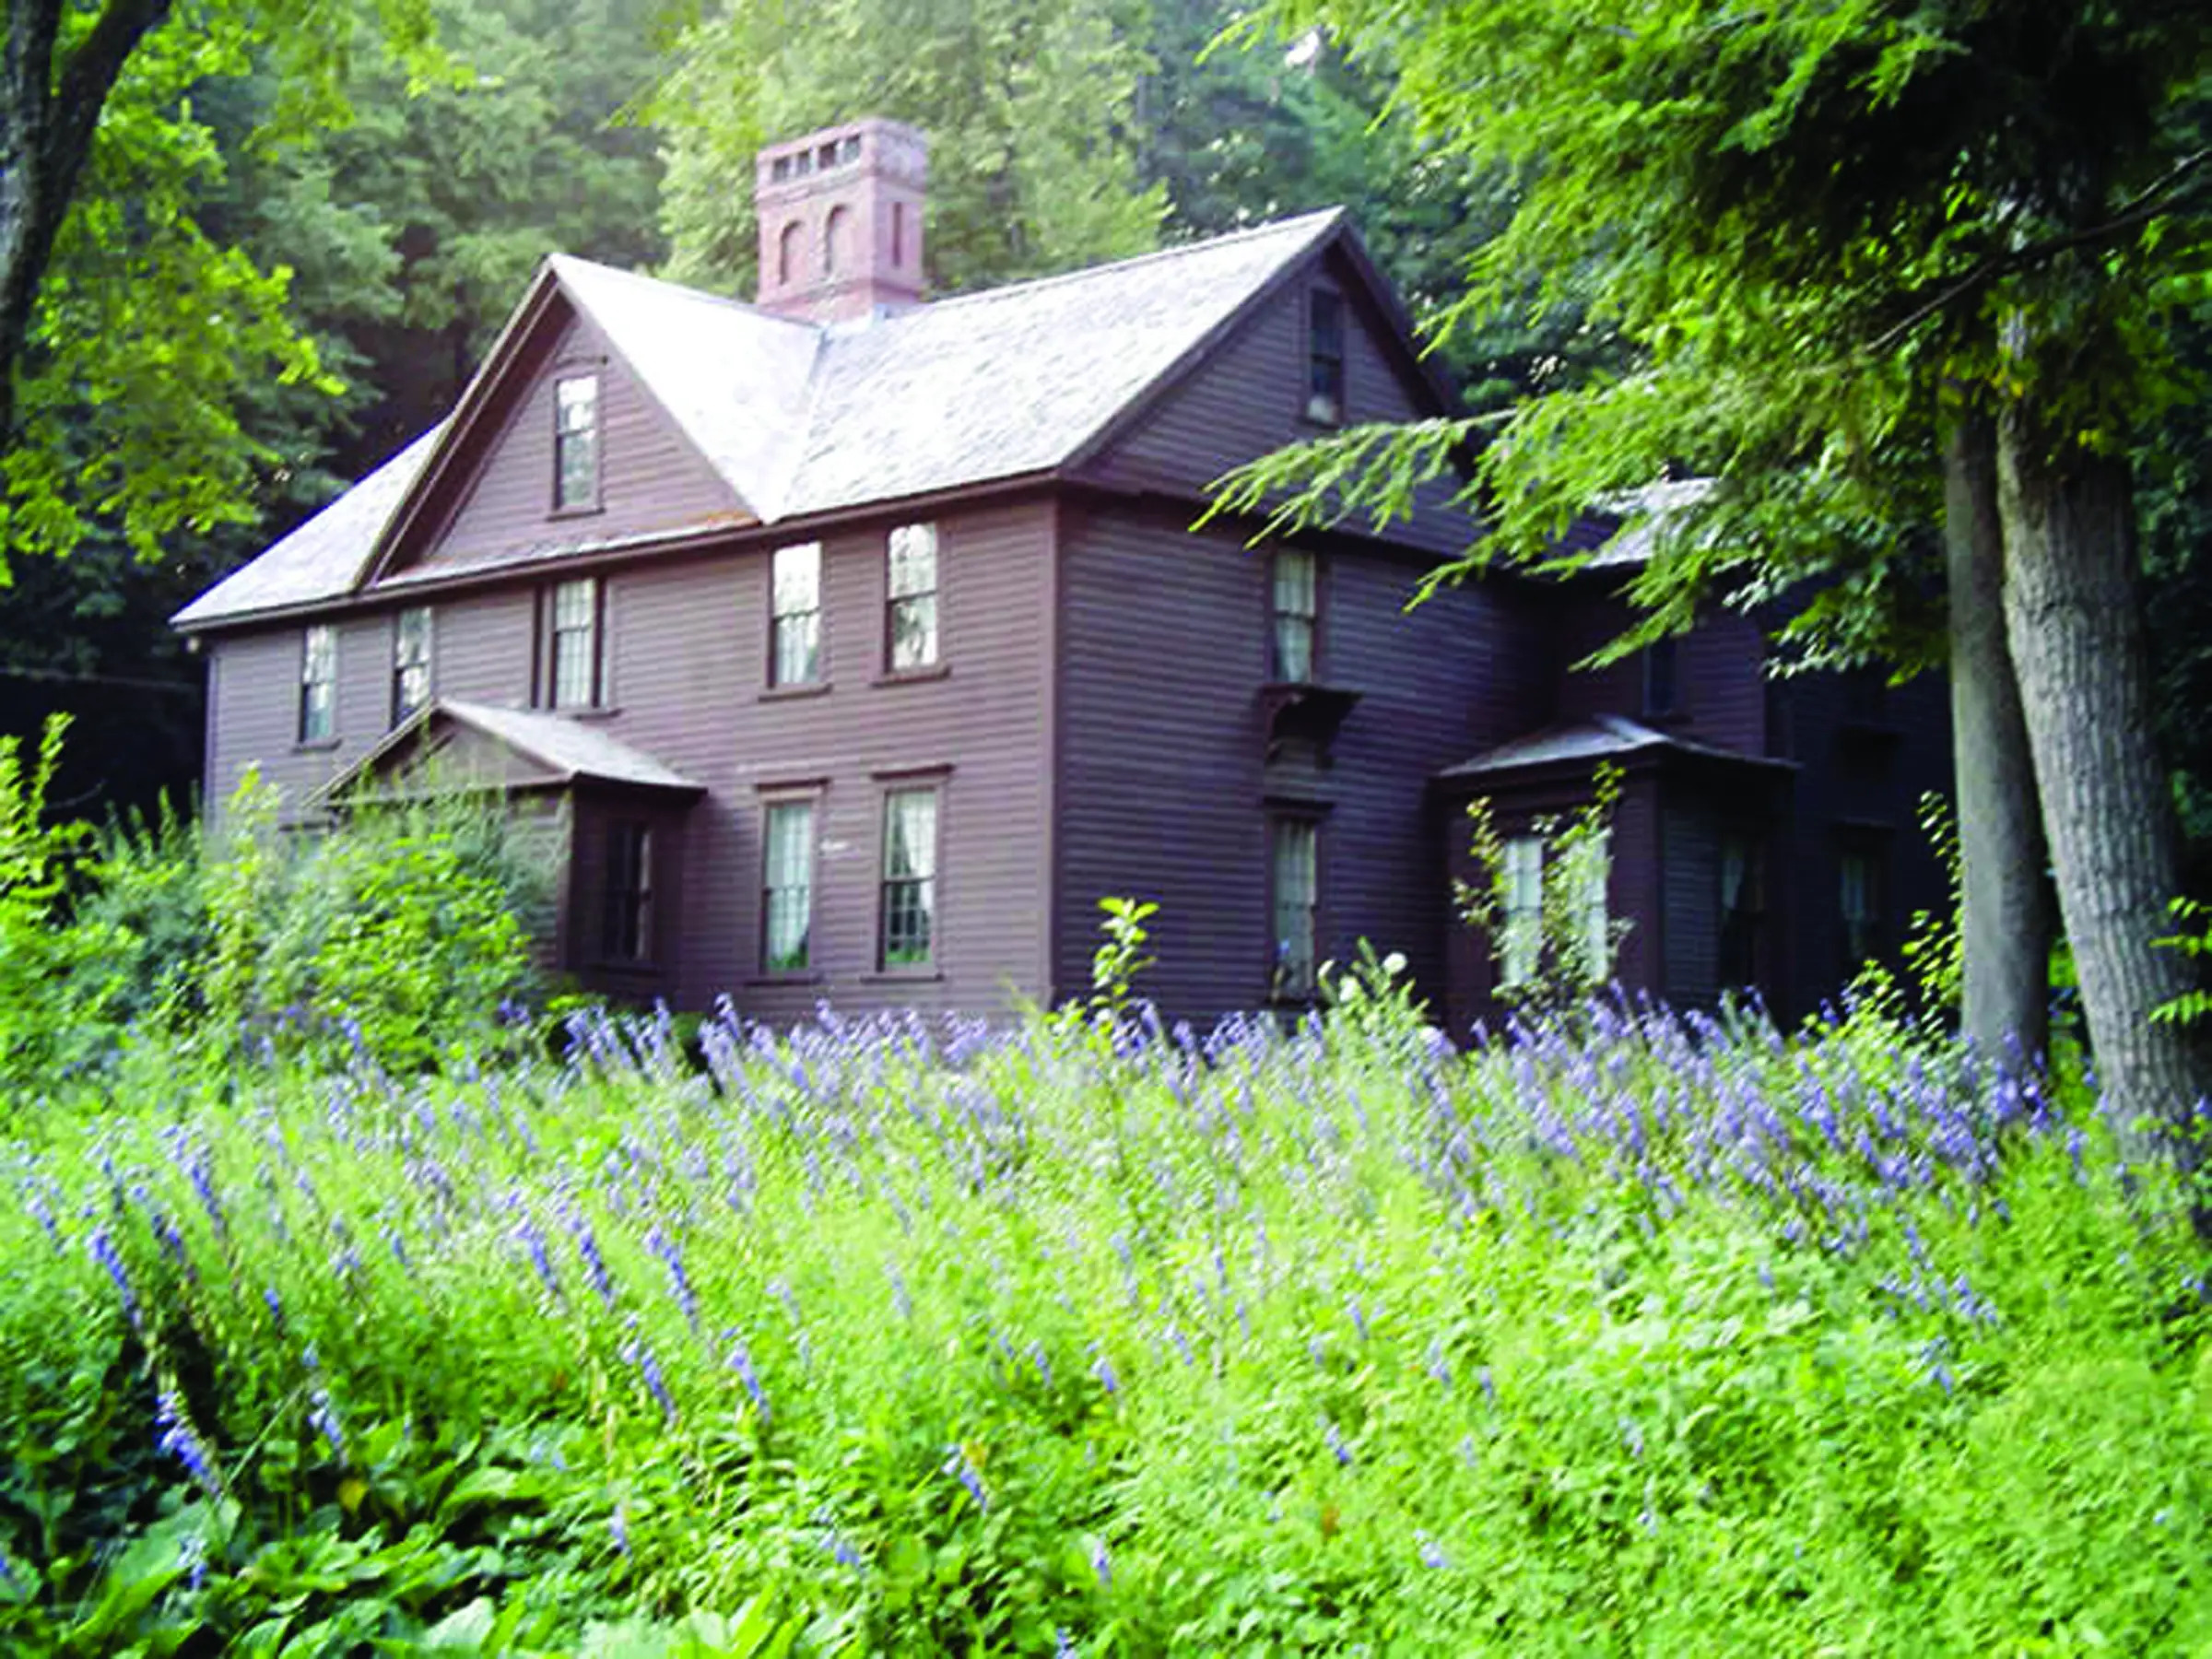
{"points": [[798, 648], [574, 603], [410, 661], [318, 684], [1296, 885], [913, 561], [789, 894], [910, 866], [911, 836], [799, 579], [1524, 918], [1294, 585], [626, 927], [915, 632], [576, 441]]}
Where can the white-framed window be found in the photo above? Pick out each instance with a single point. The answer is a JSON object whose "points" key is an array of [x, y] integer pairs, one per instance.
{"points": [[1591, 871], [626, 929], [1295, 583], [909, 926], [787, 886], [571, 675], [1294, 887], [1521, 920], [795, 651], [911, 617], [410, 661], [575, 442], [319, 684], [1324, 357]]}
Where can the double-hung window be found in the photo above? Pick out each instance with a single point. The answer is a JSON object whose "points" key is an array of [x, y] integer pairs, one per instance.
{"points": [[1324, 357], [1297, 610], [626, 928], [318, 685], [911, 622], [787, 887], [410, 661], [1860, 901], [575, 442], [1295, 880], [794, 653], [1521, 945], [570, 676], [910, 878]]}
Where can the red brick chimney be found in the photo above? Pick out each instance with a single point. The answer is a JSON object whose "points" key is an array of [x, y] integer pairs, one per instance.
{"points": [[840, 221]]}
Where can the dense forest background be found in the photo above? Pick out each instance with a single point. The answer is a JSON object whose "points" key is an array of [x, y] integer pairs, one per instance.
{"points": [[1062, 132]]}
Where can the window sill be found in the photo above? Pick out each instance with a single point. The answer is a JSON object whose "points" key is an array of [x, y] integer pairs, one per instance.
{"points": [[768, 982], [909, 677], [588, 711], [903, 976], [594, 509], [316, 745], [796, 693]]}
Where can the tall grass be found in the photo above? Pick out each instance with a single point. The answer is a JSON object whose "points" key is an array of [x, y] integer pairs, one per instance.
{"points": [[1626, 1332]]}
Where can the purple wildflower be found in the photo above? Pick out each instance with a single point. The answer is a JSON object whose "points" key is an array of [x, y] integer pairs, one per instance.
{"points": [[617, 1528], [1437, 1366], [1433, 1553], [672, 1256], [1102, 1369], [323, 1415], [178, 1438], [101, 1248], [741, 1361], [1101, 1563], [639, 1355], [960, 1465], [1334, 1436], [192, 1555]]}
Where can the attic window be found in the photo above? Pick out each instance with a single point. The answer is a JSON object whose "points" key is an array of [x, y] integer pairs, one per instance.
{"points": [[780, 168], [575, 442], [848, 148], [1324, 358]]}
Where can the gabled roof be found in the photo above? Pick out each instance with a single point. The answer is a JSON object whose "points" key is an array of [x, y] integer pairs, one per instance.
{"points": [[324, 557], [559, 751], [800, 418], [1602, 737]]}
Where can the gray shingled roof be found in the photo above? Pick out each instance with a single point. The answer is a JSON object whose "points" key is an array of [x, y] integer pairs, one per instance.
{"points": [[1643, 513], [324, 557], [800, 418], [567, 749], [1602, 737]]}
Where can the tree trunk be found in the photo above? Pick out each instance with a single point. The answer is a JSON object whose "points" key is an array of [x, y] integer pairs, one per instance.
{"points": [[2080, 647], [2005, 908]]}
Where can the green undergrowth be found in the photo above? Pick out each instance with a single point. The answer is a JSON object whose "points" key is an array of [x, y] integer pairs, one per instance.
{"points": [[1624, 1334]]}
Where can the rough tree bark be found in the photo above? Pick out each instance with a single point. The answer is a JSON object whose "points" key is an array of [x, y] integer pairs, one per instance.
{"points": [[2074, 621], [2005, 908], [49, 105]]}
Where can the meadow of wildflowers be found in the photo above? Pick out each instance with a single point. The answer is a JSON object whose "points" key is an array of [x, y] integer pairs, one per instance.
{"points": [[1620, 1333]]}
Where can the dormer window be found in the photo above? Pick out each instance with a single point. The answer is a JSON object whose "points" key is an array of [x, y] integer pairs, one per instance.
{"points": [[575, 442], [1324, 358]]}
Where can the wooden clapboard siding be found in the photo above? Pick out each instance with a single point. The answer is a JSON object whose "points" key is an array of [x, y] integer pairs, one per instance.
{"points": [[253, 709], [501, 506], [1165, 793], [688, 675], [1720, 681], [1247, 398]]}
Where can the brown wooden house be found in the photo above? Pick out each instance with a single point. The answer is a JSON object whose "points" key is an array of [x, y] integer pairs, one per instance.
{"points": [[854, 647]]}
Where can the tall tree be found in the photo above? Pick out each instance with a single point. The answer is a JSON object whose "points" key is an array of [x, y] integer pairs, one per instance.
{"points": [[1819, 221], [1028, 106], [111, 294]]}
